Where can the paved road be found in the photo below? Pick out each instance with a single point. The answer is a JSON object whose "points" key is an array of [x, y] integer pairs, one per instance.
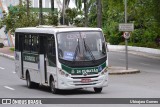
{"points": [[141, 85], [135, 61]]}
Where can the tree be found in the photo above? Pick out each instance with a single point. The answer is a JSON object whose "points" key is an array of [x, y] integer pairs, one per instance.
{"points": [[87, 4], [67, 3], [78, 4], [99, 13], [63, 16], [27, 7], [17, 18], [71, 14], [85, 12], [40, 13], [52, 6], [20, 2]]}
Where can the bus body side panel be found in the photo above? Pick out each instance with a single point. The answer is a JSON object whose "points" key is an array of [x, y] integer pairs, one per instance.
{"points": [[33, 71], [52, 71], [18, 65]]}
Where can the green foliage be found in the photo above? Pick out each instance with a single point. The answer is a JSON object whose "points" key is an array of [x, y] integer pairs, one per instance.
{"points": [[79, 21], [50, 19], [17, 17], [87, 4], [12, 49], [71, 14], [143, 13]]}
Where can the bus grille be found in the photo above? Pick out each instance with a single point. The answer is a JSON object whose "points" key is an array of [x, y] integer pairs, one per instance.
{"points": [[84, 77]]}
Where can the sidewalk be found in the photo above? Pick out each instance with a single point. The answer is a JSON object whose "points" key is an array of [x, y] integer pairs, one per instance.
{"points": [[122, 70], [141, 51], [6, 52]]}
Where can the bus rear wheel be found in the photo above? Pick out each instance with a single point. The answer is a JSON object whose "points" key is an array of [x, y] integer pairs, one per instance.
{"points": [[52, 87], [98, 90]]}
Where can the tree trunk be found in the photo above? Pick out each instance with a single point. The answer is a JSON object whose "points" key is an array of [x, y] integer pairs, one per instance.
{"points": [[99, 14], [67, 3], [85, 13], [27, 7], [40, 13], [63, 13], [20, 2], [52, 6]]}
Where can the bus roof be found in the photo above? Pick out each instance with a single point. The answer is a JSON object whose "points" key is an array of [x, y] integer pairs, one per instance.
{"points": [[52, 30]]}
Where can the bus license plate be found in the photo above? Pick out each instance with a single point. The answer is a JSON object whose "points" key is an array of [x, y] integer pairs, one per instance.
{"points": [[85, 80]]}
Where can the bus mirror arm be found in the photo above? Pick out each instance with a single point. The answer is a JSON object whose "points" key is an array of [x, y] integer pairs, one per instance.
{"points": [[46, 59], [107, 48]]}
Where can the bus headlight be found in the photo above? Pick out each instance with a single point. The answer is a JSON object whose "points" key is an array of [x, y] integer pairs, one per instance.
{"points": [[104, 71], [63, 73]]}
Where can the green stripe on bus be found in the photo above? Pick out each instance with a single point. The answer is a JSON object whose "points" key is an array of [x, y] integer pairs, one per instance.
{"points": [[86, 70], [30, 57]]}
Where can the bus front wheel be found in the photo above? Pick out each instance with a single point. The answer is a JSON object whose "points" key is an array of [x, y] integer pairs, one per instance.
{"points": [[29, 83], [97, 90], [52, 86]]}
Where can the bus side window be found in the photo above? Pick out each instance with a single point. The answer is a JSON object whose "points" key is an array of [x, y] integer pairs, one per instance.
{"points": [[35, 42], [26, 43]]}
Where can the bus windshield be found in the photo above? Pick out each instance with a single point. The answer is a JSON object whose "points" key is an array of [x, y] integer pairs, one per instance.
{"points": [[81, 46]]}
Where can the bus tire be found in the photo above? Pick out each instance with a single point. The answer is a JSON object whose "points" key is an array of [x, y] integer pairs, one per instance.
{"points": [[52, 86], [28, 80], [98, 90]]}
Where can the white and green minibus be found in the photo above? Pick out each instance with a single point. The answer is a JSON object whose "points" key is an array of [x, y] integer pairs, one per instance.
{"points": [[61, 57]]}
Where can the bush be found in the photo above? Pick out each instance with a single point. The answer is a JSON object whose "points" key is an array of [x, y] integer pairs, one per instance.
{"points": [[115, 39], [122, 43], [1, 45], [151, 45]]}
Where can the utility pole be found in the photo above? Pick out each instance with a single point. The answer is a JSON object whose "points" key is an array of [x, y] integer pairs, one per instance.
{"points": [[126, 41]]}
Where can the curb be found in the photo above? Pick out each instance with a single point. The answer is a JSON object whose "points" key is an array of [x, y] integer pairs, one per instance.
{"points": [[7, 56], [122, 70]]}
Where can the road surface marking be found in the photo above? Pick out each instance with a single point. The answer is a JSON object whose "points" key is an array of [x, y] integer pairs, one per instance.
{"points": [[14, 72], [9, 88], [144, 64], [1, 68]]}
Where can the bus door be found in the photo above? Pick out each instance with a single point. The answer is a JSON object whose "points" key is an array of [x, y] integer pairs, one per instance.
{"points": [[51, 56], [18, 55], [47, 57], [42, 59]]}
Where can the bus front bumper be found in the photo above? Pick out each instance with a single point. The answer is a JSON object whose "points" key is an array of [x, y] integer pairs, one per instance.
{"points": [[70, 83]]}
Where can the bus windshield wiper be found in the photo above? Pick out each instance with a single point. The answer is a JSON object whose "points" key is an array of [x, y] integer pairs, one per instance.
{"points": [[76, 51], [88, 49]]}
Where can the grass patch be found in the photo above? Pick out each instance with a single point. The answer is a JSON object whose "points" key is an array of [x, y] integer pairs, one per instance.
{"points": [[12, 49]]}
